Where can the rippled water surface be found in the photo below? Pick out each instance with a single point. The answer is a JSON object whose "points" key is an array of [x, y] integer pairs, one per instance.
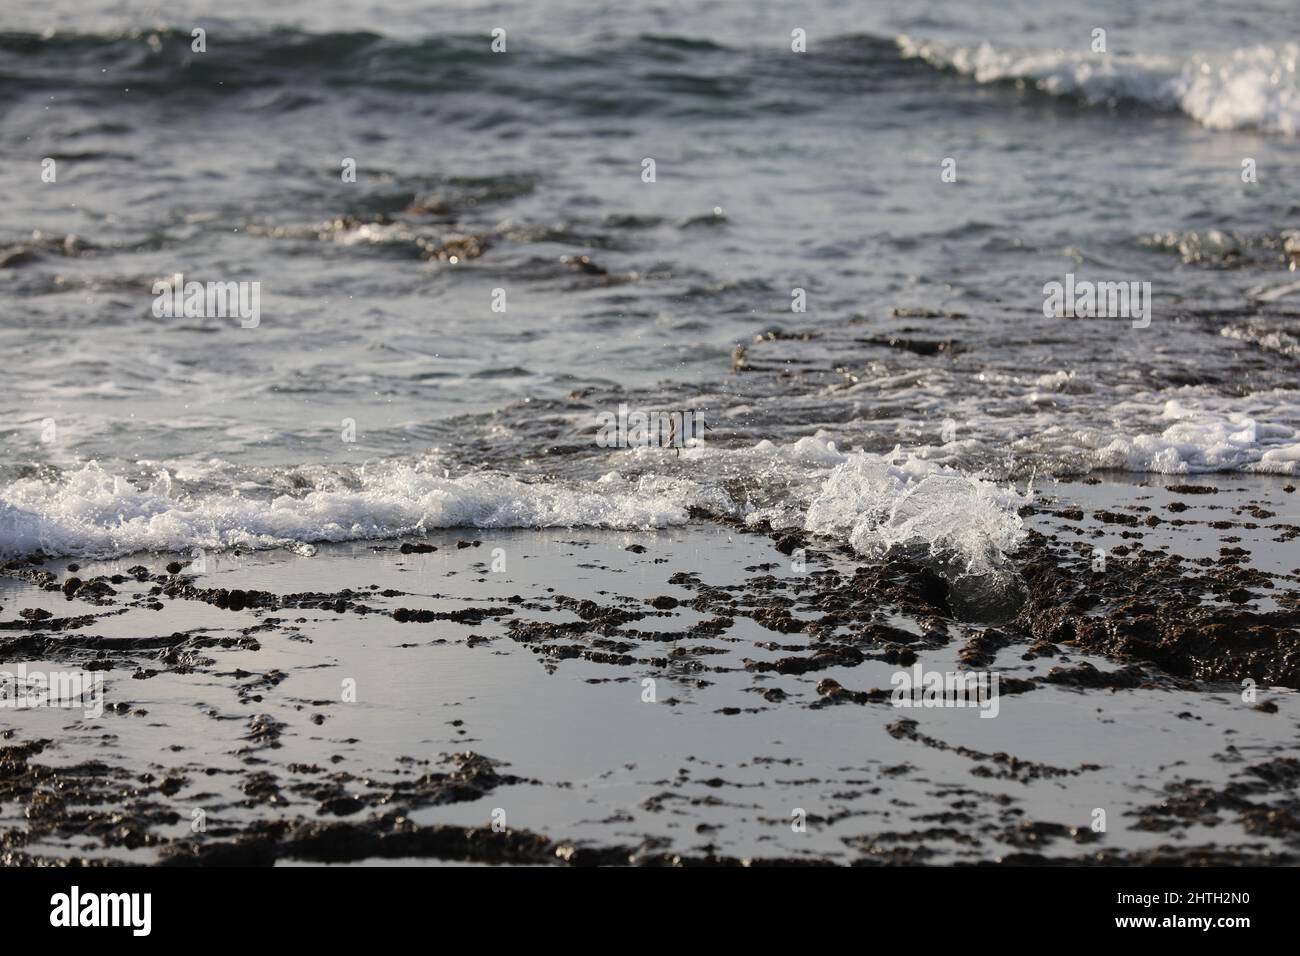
{"points": [[924, 341]]}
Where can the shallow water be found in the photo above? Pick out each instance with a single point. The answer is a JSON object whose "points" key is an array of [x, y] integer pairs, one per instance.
{"points": [[720, 760]]}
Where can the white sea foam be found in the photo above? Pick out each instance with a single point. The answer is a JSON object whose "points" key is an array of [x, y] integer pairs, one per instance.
{"points": [[92, 512], [875, 504], [1256, 88], [910, 497], [1270, 339], [1204, 440], [869, 501]]}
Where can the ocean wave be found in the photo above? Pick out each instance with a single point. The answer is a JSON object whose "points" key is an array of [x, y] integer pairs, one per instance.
{"points": [[1252, 88], [877, 505], [92, 512], [871, 502], [1255, 87], [161, 62], [917, 497]]}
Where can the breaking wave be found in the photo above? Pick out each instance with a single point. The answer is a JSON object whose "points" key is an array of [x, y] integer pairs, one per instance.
{"points": [[93, 512], [908, 498], [872, 502], [876, 506], [1254, 88]]}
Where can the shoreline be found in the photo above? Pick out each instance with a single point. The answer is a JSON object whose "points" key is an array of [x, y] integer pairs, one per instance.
{"points": [[523, 690]]}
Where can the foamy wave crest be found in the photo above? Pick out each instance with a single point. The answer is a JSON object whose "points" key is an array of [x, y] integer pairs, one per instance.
{"points": [[876, 502], [875, 505], [91, 512], [1255, 88]]}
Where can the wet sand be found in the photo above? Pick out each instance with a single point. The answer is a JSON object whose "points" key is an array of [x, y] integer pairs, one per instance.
{"points": [[504, 716]]}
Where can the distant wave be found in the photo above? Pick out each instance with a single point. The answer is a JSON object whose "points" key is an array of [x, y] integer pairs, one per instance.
{"points": [[1256, 88], [161, 62]]}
